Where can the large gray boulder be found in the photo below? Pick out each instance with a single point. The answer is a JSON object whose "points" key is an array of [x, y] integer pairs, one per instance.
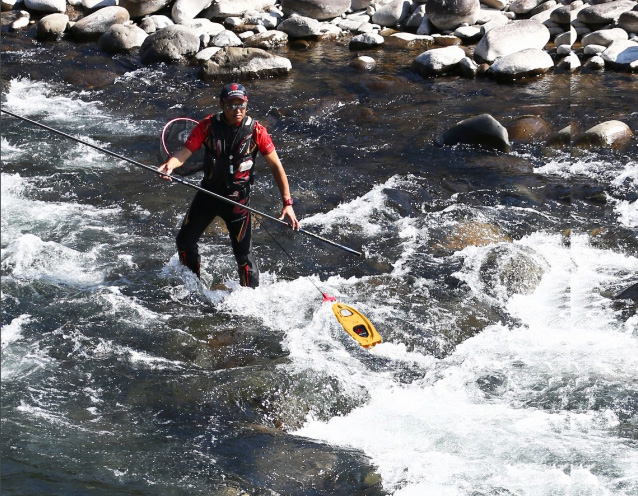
{"points": [[185, 10], [605, 13], [360, 4], [242, 63], [482, 130], [316, 9], [51, 27], [93, 5], [606, 134], [438, 61], [122, 38], [226, 38], [450, 14], [155, 22], [58, 6], [509, 269], [269, 20], [91, 27], [511, 38], [524, 6], [269, 39], [565, 14], [519, 65], [354, 25], [415, 19], [170, 44], [365, 41], [622, 55], [629, 21], [392, 13], [201, 26], [300, 27], [221, 9], [605, 37], [141, 8], [561, 139]]}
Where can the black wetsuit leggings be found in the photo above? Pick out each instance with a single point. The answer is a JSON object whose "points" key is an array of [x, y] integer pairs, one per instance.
{"points": [[201, 213]]}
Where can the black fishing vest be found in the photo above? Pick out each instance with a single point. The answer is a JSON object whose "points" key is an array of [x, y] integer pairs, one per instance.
{"points": [[229, 158]]}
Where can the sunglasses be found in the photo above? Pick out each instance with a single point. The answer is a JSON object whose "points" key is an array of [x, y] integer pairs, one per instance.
{"points": [[241, 106]]}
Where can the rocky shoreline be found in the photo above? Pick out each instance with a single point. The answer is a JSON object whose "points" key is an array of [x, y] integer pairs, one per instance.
{"points": [[502, 39]]}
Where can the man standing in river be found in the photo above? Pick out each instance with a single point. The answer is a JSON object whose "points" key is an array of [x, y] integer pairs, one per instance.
{"points": [[231, 140]]}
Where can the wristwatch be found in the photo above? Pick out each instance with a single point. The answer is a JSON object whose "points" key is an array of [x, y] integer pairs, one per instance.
{"points": [[288, 201]]}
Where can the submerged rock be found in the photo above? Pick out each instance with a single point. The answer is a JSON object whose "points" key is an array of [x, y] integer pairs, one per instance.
{"points": [[607, 134], [528, 128], [363, 63], [509, 269], [473, 233], [482, 130]]}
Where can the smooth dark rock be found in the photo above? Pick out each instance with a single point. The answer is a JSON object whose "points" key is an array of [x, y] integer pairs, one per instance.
{"points": [[528, 128], [482, 130], [631, 293], [606, 134]]}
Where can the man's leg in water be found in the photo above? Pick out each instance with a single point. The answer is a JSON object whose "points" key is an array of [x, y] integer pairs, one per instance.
{"points": [[199, 215], [238, 222]]}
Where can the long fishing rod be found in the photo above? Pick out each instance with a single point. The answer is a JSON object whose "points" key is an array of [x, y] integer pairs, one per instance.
{"points": [[182, 181], [326, 296]]}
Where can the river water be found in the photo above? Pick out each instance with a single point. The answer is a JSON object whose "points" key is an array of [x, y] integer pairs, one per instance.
{"points": [[507, 367]]}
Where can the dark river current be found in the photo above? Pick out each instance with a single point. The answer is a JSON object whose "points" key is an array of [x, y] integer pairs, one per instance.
{"points": [[507, 367]]}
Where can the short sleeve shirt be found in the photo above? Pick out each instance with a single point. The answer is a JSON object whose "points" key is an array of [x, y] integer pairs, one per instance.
{"points": [[202, 130]]}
